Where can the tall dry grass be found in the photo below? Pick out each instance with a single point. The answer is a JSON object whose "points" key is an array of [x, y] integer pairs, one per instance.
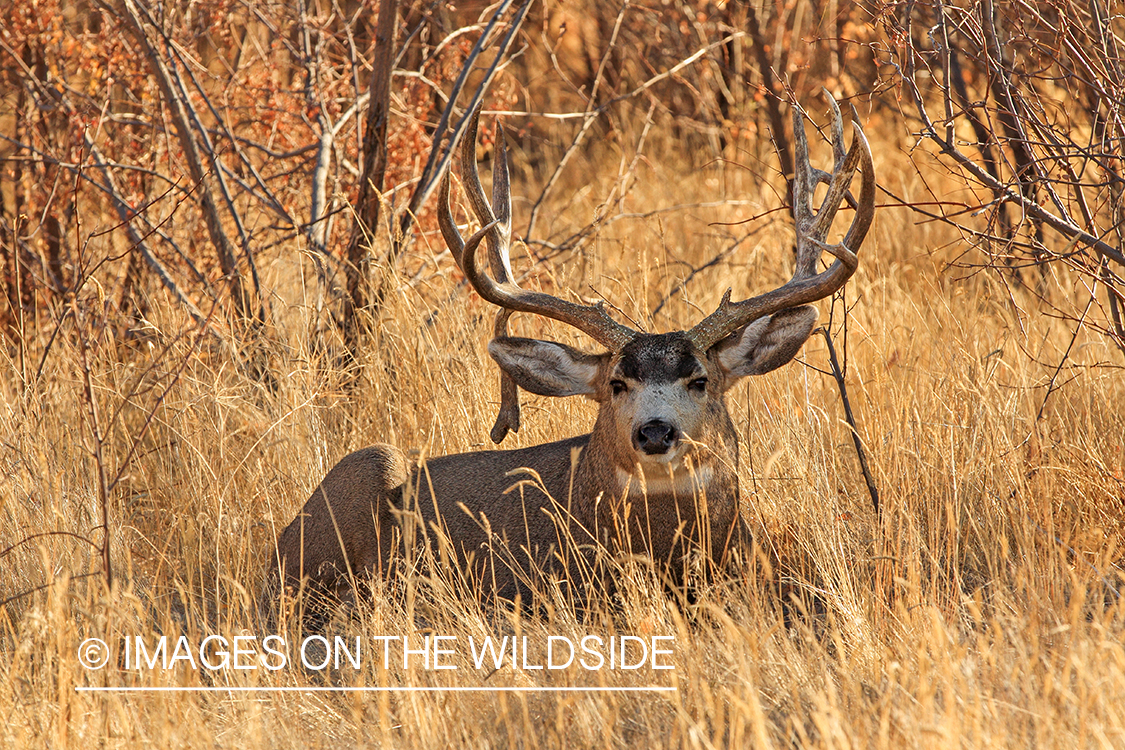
{"points": [[981, 610]]}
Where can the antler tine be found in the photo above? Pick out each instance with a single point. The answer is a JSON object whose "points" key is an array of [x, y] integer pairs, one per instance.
{"points": [[445, 221], [805, 178], [499, 239], [812, 228], [865, 206]]}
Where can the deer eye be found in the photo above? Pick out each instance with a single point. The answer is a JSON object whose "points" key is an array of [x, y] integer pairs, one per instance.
{"points": [[699, 385], [618, 387]]}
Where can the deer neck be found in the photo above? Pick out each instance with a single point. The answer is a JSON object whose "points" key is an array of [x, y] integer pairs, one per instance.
{"points": [[660, 501]]}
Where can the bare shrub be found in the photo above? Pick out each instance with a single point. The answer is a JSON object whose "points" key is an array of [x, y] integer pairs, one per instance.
{"points": [[1022, 103]]}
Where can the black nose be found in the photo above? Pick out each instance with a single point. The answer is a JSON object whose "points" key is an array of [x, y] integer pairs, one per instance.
{"points": [[656, 437]]}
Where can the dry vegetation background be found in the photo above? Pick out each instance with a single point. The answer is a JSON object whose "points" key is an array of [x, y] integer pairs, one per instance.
{"points": [[178, 422]]}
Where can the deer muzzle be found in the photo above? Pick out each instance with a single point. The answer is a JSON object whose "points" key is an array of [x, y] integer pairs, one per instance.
{"points": [[656, 437]]}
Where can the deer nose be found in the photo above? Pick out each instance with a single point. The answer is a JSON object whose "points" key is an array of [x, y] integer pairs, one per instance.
{"points": [[656, 437]]}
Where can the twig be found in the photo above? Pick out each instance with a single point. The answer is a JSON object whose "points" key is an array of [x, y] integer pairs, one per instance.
{"points": [[29, 592], [98, 441], [11, 548], [696, 270], [1066, 355], [838, 376]]}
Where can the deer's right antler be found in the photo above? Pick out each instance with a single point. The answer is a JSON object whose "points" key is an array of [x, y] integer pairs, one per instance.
{"points": [[501, 289]]}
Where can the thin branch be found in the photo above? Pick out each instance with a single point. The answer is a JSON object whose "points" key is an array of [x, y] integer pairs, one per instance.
{"points": [[841, 384]]}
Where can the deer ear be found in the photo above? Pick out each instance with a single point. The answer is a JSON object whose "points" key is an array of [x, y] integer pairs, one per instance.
{"points": [[765, 344], [546, 367]]}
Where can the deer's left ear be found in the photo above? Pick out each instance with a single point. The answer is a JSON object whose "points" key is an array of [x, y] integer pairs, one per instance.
{"points": [[765, 344]]}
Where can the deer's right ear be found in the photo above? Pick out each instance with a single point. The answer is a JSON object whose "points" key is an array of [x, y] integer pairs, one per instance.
{"points": [[546, 367]]}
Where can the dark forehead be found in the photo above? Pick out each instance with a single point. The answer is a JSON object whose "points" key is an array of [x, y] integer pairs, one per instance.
{"points": [[656, 357]]}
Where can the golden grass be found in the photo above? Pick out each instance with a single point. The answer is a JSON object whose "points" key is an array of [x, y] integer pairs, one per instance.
{"points": [[981, 610]]}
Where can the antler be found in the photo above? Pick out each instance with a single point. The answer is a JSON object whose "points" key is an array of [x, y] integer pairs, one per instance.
{"points": [[501, 289], [812, 229], [499, 233]]}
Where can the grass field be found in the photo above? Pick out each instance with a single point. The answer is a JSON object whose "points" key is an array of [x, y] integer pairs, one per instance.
{"points": [[981, 609]]}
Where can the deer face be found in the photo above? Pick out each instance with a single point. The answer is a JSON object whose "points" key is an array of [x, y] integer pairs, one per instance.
{"points": [[660, 394]]}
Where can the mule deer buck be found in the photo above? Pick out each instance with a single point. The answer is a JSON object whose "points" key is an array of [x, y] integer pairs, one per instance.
{"points": [[656, 477]]}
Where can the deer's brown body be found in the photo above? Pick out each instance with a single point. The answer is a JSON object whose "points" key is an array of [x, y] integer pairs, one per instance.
{"points": [[657, 476]]}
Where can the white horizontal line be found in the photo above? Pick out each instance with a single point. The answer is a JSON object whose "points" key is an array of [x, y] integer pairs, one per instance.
{"points": [[394, 689]]}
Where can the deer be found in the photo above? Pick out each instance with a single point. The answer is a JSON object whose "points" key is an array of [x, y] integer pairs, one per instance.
{"points": [[657, 476]]}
